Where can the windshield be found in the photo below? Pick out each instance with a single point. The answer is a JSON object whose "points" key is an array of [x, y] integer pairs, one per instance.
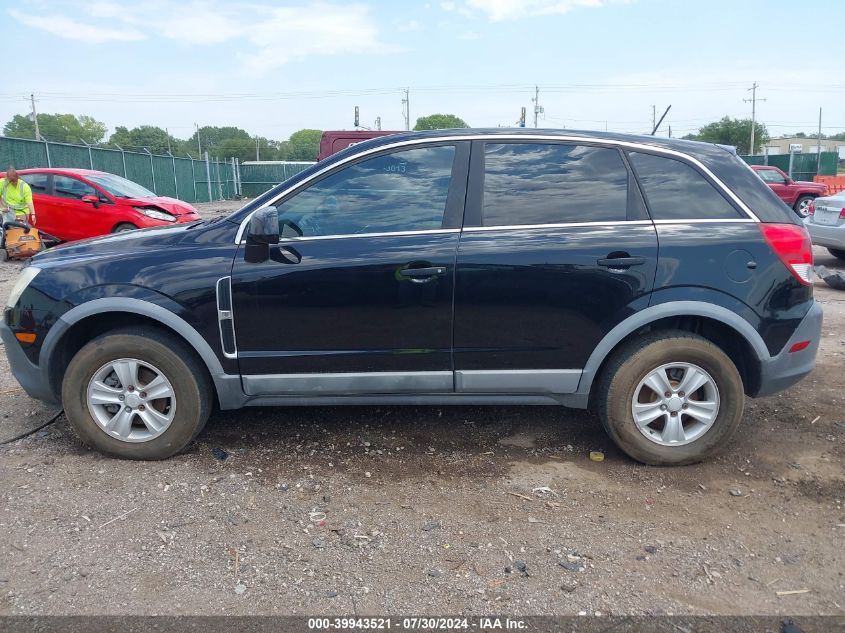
{"points": [[120, 187]]}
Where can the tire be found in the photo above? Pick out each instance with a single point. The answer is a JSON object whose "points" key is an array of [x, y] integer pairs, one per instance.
{"points": [[838, 253], [186, 377], [802, 205], [632, 363], [4, 255], [124, 226]]}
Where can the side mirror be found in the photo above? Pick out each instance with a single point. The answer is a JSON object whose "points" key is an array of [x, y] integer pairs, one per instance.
{"points": [[263, 227], [91, 199]]}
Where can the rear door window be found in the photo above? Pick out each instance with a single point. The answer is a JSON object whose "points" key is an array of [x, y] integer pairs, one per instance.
{"points": [[36, 182], [675, 191], [552, 183]]}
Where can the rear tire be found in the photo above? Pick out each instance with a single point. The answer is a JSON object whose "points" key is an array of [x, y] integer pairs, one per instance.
{"points": [[838, 253], [802, 206], [625, 381], [124, 226], [88, 383]]}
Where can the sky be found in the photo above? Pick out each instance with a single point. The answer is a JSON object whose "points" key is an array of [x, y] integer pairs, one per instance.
{"points": [[273, 67]]}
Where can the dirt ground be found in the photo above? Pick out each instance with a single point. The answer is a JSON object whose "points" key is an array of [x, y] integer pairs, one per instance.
{"points": [[389, 510]]}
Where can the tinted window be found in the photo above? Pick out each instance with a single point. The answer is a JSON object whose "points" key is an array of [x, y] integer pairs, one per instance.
{"points": [[676, 191], [36, 182], [67, 187], [546, 183], [770, 175], [402, 191]]}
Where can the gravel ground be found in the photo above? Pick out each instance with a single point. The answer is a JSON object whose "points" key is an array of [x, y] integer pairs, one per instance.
{"points": [[393, 510]]}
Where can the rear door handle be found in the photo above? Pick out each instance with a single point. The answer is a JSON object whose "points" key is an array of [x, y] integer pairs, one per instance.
{"points": [[621, 262], [422, 274]]}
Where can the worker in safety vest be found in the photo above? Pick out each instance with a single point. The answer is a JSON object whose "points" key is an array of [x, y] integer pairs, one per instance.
{"points": [[16, 198]]}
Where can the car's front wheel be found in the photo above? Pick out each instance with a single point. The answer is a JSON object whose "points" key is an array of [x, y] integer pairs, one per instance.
{"points": [[136, 393], [670, 398], [124, 226], [802, 206]]}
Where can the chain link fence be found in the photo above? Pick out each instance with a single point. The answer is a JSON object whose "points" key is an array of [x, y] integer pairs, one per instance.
{"points": [[186, 178]]}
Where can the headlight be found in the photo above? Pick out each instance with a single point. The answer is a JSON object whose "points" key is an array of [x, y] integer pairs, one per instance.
{"points": [[156, 215], [25, 278]]}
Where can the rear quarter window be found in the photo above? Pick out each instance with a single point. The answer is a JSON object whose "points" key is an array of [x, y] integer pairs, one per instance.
{"points": [[748, 187], [675, 190]]}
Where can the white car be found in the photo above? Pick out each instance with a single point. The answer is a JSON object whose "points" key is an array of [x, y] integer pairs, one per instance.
{"points": [[826, 223]]}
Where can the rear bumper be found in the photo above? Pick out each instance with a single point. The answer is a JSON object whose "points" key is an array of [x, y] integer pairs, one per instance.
{"points": [[828, 236], [29, 375], [784, 370]]}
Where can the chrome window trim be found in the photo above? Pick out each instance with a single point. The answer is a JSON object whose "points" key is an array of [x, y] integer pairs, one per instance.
{"points": [[226, 318], [559, 225], [313, 238], [508, 137], [708, 221]]}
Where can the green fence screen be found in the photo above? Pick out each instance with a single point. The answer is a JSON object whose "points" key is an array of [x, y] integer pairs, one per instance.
{"points": [[804, 166], [256, 178], [185, 178]]}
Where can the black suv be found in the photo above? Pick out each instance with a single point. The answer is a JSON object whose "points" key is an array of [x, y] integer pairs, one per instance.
{"points": [[655, 281]]}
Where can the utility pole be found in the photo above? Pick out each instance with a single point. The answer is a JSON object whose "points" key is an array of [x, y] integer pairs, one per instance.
{"points": [[406, 108], [35, 117], [167, 133], [538, 109], [753, 101], [257, 152], [819, 145], [653, 117], [199, 144], [378, 123]]}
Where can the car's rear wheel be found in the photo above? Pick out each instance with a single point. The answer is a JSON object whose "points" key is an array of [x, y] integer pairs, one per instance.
{"points": [[137, 393], [802, 206], [670, 398], [838, 253], [124, 226]]}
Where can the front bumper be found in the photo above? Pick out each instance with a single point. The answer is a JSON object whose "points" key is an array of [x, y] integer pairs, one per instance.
{"points": [[828, 236], [29, 375], [784, 370]]}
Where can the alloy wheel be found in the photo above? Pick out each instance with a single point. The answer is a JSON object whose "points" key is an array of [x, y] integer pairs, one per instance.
{"points": [[131, 400]]}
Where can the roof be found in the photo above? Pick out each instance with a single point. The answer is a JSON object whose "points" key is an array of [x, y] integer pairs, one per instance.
{"points": [[694, 148], [64, 170]]}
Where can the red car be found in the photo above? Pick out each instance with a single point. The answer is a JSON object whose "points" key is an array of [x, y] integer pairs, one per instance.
{"points": [[334, 141], [796, 193], [73, 204]]}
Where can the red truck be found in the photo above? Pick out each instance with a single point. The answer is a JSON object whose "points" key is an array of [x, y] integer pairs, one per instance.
{"points": [[334, 141], [796, 193]]}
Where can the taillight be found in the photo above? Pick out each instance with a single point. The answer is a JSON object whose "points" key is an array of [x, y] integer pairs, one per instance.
{"points": [[842, 214], [811, 208], [791, 243]]}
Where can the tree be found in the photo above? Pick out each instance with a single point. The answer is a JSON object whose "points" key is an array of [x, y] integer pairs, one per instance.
{"points": [[157, 140], [212, 137], [61, 128], [439, 122], [304, 145], [735, 132]]}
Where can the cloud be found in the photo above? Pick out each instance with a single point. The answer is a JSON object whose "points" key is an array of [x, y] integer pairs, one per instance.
{"points": [[63, 26], [469, 36], [265, 36], [500, 10]]}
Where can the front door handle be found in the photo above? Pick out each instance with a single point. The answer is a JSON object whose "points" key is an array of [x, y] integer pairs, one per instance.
{"points": [[621, 262], [423, 274]]}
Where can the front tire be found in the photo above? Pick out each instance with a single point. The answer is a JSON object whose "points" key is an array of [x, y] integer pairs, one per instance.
{"points": [[137, 393], [123, 227], [670, 398], [838, 253], [802, 206]]}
